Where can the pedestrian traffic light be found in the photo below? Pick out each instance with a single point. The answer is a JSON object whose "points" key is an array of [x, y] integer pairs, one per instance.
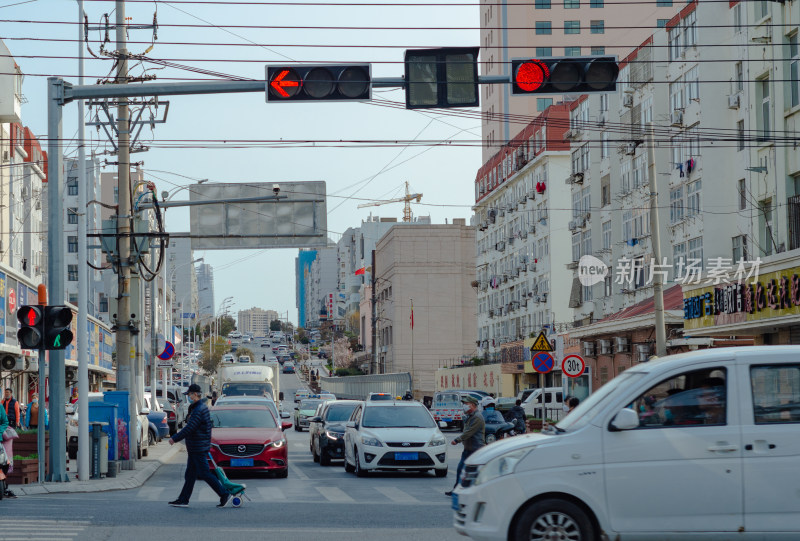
{"points": [[319, 83], [31, 331], [56, 327], [564, 75], [440, 78]]}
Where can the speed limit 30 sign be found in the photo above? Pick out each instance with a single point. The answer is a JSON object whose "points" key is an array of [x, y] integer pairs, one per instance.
{"points": [[573, 366]]}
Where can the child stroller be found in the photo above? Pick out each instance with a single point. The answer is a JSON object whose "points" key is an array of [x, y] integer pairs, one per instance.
{"points": [[236, 490]]}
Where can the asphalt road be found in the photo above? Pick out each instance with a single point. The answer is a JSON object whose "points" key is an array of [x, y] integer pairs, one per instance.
{"points": [[315, 502]]}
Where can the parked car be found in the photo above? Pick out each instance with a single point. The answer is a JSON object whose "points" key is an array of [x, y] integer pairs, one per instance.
{"points": [[244, 359], [505, 403], [288, 367], [159, 421], [304, 411], [142, 427], [326, 430], [397, 435], [689, 446], [172, 418], [249, 438]]}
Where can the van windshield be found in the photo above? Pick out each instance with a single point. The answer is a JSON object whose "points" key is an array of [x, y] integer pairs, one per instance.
{"points": [[586, 410], [247, 389], [447, 398]]}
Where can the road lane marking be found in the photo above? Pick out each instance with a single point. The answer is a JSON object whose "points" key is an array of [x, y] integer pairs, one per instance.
{"points": [[397, 495], [271, 494], [297, 473], [334, 494], [207, 495]]}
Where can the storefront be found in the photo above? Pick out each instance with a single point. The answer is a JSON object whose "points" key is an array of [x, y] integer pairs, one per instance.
{"points": [[761, 309], [494, 378]]}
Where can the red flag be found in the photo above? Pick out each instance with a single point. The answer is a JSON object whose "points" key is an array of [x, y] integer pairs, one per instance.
{"points": [[360, 271], [412, 315]]}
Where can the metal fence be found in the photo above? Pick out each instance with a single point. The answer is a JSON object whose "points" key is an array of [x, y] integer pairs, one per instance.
{"points": [[358, 387]]}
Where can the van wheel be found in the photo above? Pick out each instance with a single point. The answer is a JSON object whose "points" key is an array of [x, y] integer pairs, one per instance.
{"points": [[553, 519]]}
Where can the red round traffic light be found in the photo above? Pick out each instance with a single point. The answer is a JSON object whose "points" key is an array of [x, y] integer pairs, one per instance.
{"points": [[531, 75]]}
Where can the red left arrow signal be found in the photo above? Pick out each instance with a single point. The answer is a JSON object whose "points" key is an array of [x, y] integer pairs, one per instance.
{"points": [[286, 83]]}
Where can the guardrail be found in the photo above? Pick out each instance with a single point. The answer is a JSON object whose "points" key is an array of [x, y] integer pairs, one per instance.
{"points": [[358, 387]]}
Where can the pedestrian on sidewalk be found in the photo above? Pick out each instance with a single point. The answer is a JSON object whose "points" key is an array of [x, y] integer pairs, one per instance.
{"points": [[5, 469], [197, 433], [32, 414], [473, 437], [11, 406]]}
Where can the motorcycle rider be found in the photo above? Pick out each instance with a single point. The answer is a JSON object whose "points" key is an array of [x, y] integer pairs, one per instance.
{"points": [[517, 416], [495, 423]]}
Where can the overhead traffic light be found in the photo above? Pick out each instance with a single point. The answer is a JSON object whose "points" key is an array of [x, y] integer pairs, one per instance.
{"points": [[319, 83], [31, 331], [564, 75], [444, 77], [56, 327]]}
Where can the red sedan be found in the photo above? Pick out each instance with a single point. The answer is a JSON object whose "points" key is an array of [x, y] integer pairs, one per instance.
{"points": [[248, 438]]}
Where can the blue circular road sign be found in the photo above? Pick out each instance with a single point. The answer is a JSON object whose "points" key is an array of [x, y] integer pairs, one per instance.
{"points": [[542, 362], [169, 351]]}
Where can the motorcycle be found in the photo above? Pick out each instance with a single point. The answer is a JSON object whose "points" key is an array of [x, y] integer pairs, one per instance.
{"points": [[496, 431]]}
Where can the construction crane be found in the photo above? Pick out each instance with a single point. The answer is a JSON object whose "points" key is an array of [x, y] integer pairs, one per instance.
{"points": [[408, 199]]}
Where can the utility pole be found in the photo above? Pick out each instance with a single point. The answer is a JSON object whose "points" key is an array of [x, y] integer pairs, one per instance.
{"points": [[658, 284], [126, 352], [373, 299], [83, 279]]}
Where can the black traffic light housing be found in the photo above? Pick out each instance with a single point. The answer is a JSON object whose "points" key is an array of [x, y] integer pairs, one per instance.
{"points": [[31, 331], [319, 83], [57, 334], [564, 75], [441, 78]]}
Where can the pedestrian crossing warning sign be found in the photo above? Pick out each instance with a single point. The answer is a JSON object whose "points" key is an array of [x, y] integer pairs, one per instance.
{"points": [[542, 343]]}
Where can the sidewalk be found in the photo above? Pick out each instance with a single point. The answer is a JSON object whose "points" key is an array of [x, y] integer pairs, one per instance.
{"points": [[158, 454]]}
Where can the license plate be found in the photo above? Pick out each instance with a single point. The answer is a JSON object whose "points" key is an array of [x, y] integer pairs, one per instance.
{"points": [[455, 505], [241, 463], [406, 456], [448, 420]]}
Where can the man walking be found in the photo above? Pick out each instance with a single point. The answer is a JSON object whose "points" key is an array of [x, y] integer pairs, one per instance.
{"points": [[197, 433], [473, 437], [11, 406]]}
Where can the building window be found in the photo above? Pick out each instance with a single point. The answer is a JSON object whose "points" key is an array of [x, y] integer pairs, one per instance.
{"points": [[742, 194], [595, 3], [72, 215], [572, 4], [103, 304], [676, 205], [763, 111], [674, 38], [693, 84], [598, 50], [690, 30], [627, 225], [576, 247], [542, 4], [676, 95], [72, 273], [738, 77], [572, 27], [597, 27], [765, 221], [543, 103], [762, 8], [572, 51], [678, 259], [544, 28], [72, 244], [605, 191], [607, 281], [739, 246], [794, 70], [737, 17], [696, 250], [693, 198], [72, 187], [740, 135], [606, 235], [544, 51], [662, 23], [604, 144]]}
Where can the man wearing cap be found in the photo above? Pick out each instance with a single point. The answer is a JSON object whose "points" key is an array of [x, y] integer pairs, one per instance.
{"points": [[473, 436], [197, 433]]}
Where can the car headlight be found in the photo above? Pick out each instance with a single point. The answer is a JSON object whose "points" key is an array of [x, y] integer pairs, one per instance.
{"points": [[502, 465], [333, 435], [277, 444], [437, 440], [372, 442], [303, 416]]}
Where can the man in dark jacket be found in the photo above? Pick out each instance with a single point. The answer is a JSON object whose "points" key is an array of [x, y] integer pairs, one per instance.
{"points": [[517, 416], [197, 433], [473, 437]]}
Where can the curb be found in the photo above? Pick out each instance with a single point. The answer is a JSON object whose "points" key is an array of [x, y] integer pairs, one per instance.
{"points": [[146, 469]]}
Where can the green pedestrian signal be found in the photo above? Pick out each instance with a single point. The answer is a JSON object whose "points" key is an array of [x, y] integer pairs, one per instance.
{"points": [[56, 327]]}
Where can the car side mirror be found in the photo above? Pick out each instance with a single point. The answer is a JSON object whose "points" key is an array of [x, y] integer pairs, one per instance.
{"points": [[145, 411], [442, 424], [296, 408], [626, 419], [315, 420], [351, 424], [286, 426], [285, 415]]}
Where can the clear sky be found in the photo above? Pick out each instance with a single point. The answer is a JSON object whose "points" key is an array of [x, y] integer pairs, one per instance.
{"points": [[354, 173]]}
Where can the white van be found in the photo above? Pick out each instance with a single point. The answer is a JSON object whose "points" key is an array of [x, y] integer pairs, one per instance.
{"points": [[553, 398], [701, 445]]}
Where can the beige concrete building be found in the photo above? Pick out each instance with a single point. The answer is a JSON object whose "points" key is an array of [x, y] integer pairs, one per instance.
{"points": [[431, 266], [256, 321], [553, 28]]}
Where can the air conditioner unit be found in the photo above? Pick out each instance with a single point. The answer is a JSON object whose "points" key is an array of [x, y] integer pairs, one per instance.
{"points": [[622, 345], [630, 148], [588, 349], [642, 352], [572, 265], [10, 363], [532, 194], [627, 100], [605, 347], [577, 178], [733, 101], [573, 225], [676, 118], [33, 365]]}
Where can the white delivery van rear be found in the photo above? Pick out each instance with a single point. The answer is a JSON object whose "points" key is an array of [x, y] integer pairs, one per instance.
{"points": [[447, 408]]}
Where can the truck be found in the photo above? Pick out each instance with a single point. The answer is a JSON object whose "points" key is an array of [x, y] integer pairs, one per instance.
{"points": [[247, 380]]}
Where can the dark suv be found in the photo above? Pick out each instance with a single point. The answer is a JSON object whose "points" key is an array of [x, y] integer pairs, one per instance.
{"points": [[326, 430]]}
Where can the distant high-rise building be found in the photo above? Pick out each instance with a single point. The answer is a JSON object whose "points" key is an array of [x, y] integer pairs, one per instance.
{"points": [[303, 263], [256, 321], [205, 291]]}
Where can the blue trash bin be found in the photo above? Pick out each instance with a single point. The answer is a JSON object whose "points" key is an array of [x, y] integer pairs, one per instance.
{"points": [[104, 412], [120, 399]]}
